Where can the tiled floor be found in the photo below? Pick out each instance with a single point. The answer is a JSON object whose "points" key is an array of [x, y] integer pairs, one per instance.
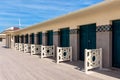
{"points": [[15, 65]]}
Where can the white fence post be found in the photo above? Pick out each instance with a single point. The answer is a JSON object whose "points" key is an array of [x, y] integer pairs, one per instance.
{"points": [[85, 64], [101, 58], [70, 53], [57, 55], [41, 52]]}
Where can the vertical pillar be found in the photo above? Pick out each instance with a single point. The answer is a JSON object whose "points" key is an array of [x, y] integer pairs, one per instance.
{"points": [[44, 38], [19, 38], [12, 41], [35, 38], [24, 39], [7, 41], [29, 39], [104, 41], [74, 43], [56, 38]]}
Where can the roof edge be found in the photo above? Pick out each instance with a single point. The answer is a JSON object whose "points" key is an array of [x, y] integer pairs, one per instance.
{"points": [[69, 14]]}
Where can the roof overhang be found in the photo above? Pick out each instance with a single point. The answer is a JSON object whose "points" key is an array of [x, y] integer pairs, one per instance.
{"points": [[70, 14], [2, 35]]}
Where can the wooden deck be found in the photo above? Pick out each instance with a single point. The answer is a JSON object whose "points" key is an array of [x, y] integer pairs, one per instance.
{"points": [[15, 65]]}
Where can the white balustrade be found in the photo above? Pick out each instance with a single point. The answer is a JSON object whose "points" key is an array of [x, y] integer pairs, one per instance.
{"points": [[47, 51], [17, 46], [93, 59], [21, 46], [27, 48], [35, 49], [64, 54]]}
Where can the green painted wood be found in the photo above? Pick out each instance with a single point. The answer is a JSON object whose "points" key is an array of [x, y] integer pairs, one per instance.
{"points": [[116, 44], [22, 38], [87, 38], [26, 38], [18, 37], [39, 38], [65, 37], [50, 38], [15, 39], [32, 38]]}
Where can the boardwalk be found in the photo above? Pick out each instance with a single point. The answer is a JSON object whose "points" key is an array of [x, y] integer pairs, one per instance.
{"points": [[15, 65]]}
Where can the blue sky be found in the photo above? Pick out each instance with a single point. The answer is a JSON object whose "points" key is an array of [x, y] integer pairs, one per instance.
{"points": [[33, 11]]}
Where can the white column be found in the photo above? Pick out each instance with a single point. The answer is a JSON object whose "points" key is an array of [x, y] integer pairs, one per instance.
{"points": [[24, 39], [28, 38], [35, 38], [6, 40], [12, 41], [20, 39]]}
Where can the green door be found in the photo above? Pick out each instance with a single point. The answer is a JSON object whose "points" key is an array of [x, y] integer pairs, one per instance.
{"points": [[32, 38], [87, 38], [15, 39], [64, 37], [22, 39], [39, 38], [18, 37], [50, 38], [26, 38], [116, 44]]}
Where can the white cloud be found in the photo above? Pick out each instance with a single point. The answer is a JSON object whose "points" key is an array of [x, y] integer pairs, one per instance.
{"points": [[34, 11]]}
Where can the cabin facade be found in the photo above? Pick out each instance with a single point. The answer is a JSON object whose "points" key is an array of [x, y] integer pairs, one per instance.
{"points": [[95, 27]]}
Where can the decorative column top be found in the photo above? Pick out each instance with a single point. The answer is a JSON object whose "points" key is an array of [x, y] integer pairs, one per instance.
{"points": [[104, 28]]}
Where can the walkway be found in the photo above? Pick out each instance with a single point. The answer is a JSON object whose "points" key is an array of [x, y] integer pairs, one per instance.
{"points": [[15, 65]]}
